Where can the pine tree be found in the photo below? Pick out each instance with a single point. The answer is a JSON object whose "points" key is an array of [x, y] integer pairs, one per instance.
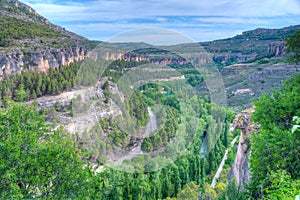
{"points": [[21, 94]]}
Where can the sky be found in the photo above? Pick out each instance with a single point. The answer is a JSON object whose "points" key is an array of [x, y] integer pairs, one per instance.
{"points": [[199, 20]]}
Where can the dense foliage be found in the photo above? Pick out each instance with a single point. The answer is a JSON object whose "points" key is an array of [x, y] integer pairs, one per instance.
{"points": [[153, 182], [36, 162], [275, 164], [64, 169], [293, 43], [160, 138], [103, 140], [17, 29], [31, 84], [118, 67], [138, 109]]}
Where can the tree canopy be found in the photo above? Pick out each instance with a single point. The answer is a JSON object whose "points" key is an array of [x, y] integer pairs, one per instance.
{"points": [[37, 162], [274, 162], [293, 43]]}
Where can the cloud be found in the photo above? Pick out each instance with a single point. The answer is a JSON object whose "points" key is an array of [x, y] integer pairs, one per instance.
{"points": [[268, 8], [196, 31], [128, 9], [232, 20], [193, 17], [154, 36]]}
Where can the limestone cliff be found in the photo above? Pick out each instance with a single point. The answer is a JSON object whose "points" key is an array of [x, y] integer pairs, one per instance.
{"points": [[15, 62], [277, 48], [33, 42], [156, 59], [272, 49]]}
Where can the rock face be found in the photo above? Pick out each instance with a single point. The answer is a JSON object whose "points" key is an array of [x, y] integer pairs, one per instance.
{"points": [[273, 49], [277, 48], [250, 45], [240, 168], [36, 50], [15, 62], [156, 55]]}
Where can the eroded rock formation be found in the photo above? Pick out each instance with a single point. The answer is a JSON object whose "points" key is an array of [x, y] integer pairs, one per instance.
{"points": [[15, 62], [277, 48], [240, 168]]}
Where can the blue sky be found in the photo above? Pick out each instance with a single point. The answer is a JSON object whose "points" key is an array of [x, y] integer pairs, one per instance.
{"points": [[201, 20]]}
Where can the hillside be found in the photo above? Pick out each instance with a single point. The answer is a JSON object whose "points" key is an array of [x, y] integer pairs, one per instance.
{"points": [[22, 27], [136, 121], [250, 46], [29, 41]]}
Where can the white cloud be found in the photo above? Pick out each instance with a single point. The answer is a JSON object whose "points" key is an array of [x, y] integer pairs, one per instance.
{"points": [[232, 20], [190, 16], [267, 8], [126, 9], [154, 36]]}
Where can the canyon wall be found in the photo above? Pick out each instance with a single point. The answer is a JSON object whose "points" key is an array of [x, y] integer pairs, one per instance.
{"points": [[240, 168], [15, 62], [277, 48]]}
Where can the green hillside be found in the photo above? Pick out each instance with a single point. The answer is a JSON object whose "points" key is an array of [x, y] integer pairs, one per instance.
{"points": [[255, 41]]}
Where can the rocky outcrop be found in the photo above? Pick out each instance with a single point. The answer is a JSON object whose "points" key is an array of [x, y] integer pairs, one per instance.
{"points": [[250, 45], [273, 49], [42, 60], [234, 57], [240, 168], [157, 59], [157, 55], [277, 48], [15, 62]]}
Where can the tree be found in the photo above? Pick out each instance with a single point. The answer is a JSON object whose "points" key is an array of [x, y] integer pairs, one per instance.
{"points": [[105, 86], [276, 146], [147, 145], [33, 95], [21, 94], [36, 162], [166, 186], [38, 92], [234, 192], [293, 43], [189, 192], [157, 185], [220, 188], [177, 180], [282, 186], [281, 107], [209, 193]]}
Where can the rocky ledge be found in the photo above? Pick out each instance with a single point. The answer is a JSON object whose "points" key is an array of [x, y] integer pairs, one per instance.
{"points": [[15, 62]]}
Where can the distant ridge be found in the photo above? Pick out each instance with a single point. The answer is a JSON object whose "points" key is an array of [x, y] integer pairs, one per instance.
{"points": [[250, 45]]}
